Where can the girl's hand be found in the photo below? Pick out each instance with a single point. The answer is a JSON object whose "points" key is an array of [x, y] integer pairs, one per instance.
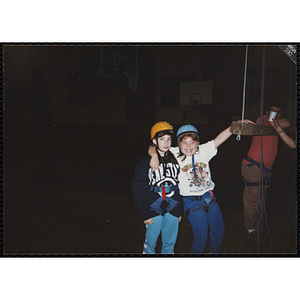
{"points": [[179, 219], [154, 162], [149, 221], [248, 121]]}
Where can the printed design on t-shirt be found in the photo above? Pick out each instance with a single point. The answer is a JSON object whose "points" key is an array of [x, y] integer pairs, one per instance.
{"points": [[202, 179], [170, 178]]}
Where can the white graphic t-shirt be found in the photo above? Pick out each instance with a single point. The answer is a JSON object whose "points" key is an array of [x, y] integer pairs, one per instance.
{"points": [[190, 185]]}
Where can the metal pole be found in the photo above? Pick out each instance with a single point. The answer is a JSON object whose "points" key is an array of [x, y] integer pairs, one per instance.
{"points": [[244, 89]]}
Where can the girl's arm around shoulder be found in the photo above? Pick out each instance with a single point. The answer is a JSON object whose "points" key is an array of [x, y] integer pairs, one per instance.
{"points": [[174, 150], [154, 162]]}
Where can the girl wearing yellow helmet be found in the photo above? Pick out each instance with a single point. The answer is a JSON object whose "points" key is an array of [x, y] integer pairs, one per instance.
{"points": [[156, 193]]}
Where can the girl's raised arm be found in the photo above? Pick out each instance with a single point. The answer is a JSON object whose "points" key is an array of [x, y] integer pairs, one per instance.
{"points": [[225, 134]]}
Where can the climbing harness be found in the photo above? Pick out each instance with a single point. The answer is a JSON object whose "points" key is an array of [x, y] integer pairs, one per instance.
{"points": [[167, 206], [206, 203], [165, 189], [238, 138], [268, 174], [163, 204], [255, 163], [248, 184]]}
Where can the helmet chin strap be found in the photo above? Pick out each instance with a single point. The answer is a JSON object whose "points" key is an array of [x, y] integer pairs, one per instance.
{"points": [[159, 148]]}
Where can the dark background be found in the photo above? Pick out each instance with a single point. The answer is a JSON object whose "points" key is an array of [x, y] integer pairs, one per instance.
{"points": [[74, 131]]}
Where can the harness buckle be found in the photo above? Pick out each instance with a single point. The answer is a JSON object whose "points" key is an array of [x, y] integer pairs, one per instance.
{"points": [[205, 207], [246, 184], [268, 183]]}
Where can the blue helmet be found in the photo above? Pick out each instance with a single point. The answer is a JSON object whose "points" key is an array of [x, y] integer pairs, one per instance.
{"points": [[186, 129]]}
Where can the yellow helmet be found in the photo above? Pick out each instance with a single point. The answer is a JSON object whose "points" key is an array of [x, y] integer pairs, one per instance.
{"points": [[160, 126]]}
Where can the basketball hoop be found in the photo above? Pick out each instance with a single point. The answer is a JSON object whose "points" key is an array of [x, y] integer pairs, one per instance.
{"points": [[133, 78]]}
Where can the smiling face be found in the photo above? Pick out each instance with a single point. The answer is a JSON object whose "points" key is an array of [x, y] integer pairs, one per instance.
{"points": [[188, 146], [164, 143]]}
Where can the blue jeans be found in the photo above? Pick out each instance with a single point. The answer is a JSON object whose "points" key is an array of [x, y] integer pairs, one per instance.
{"points": [[167, 225], [201, 222]]}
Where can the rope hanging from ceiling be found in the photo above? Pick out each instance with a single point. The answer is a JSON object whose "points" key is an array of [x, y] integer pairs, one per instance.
{"points": [[238, 138]]}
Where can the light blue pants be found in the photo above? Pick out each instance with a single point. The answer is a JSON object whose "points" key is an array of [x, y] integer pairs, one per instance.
{"points": [[167, 225]]}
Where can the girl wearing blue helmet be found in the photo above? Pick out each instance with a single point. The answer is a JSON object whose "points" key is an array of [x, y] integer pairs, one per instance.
{"points": [[196, 185]]}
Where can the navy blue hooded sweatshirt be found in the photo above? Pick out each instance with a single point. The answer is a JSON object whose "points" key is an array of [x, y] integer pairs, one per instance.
{"points": [[145, 178]]}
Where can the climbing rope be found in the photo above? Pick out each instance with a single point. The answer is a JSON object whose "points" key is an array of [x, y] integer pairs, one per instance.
{"points": [[260, 206], [238, 138]]}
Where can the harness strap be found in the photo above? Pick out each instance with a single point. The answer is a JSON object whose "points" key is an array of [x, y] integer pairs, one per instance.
{"points": [[202, 205], [255, 163], [159, 189], [205, 202], [248, 183], [163, 191], [212, 195], [194, 168], [194, 198], [161, 211]]}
